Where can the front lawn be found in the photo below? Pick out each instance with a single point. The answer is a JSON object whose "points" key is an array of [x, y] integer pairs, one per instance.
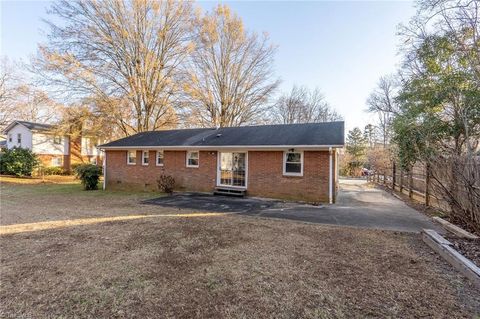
{"points": [[208, 265], [62, 197]]}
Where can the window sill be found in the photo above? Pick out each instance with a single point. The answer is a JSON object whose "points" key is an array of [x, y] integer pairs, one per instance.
{"points": [[160, 165], [132, 164], [292, 175], [193, 166]]}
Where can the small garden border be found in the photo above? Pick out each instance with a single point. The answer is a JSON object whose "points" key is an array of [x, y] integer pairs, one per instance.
{"points": [[444, 247]]}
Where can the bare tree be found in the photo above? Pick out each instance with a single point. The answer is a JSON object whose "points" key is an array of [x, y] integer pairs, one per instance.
{"points": [[301, 105], [20, 100], [370, 134], [125, 54], [459, 19], [382, 102], [231, 76], [7, 88]]}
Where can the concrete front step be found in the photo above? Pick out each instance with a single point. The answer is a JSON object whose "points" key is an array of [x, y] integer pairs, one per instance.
{"points": [[225, 191]]}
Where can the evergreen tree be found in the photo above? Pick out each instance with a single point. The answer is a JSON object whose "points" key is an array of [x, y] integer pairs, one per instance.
{"points": [[356, 148]]}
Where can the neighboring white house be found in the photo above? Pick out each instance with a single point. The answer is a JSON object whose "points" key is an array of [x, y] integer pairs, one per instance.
{"points": [[52, 149]]}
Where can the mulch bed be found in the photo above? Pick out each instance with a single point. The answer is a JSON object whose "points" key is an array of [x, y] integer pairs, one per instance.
{"points": [[461, 224], [470, 248]]}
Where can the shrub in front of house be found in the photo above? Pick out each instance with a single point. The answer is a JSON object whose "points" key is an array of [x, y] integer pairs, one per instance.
{"points": [[53, 170], [18, 161], [166, 184], [89, 174], [74, 166]]}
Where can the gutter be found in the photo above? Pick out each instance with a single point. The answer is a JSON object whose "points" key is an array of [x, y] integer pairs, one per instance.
{"points": [[330, 177], [221, 147], [104, 170]]}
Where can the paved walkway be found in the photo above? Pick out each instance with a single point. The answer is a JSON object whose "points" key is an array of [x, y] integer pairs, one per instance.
{"points": [[357, 205]]}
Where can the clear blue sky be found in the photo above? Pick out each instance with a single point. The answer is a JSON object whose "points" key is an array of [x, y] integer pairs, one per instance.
{"points": [[340, 47]]}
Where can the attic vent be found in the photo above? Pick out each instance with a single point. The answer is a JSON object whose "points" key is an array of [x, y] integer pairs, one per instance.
{"points": [[219, 134]]}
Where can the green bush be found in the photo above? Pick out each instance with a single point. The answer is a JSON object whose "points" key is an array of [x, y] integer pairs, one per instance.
{"points": [[53, 170], [89, 174], [18, 161], [74, 166]]}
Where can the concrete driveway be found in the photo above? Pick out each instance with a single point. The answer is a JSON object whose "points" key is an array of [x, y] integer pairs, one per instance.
{"points": [[357, 205], [362, 206]]}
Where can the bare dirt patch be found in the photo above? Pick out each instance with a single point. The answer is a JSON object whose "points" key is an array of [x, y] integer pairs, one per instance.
{"points": [[219, 266]]}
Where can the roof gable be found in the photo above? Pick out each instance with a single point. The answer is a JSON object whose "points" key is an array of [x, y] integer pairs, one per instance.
{"points": [[310, 134], [29, 125]]}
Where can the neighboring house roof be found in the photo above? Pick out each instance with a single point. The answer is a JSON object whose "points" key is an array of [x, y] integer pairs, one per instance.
{"points": [[309, 135], [30, 125]]}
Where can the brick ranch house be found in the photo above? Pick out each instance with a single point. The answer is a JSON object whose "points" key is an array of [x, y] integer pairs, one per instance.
{"points": [[294, 161], [52, 149]]}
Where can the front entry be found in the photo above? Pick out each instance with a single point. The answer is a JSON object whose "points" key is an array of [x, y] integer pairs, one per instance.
{"points": [[232, 169]]}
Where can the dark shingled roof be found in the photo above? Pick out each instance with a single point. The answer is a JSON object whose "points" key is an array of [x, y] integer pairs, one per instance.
{"points": [[311, 134], [35, 126]]}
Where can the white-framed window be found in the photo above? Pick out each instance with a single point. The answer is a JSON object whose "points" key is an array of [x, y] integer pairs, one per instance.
{"points": [[145, 156], [10, 139], [19, 138], [159, 158], [131, 157], [293, 163], [57, 161], [57, 140], [93, 160], [192, 159]]}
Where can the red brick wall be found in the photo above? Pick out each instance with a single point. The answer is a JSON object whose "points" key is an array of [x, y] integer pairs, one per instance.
{"points": [[265, 174], [123, 176]]}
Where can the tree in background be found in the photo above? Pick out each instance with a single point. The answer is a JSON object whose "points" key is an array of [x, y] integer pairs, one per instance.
{"points": [[7, 79], [302, 105], [20, 100], [231, 76], [370, 135], [127, 55], [382, 102], [356, 147], [438, 122]]}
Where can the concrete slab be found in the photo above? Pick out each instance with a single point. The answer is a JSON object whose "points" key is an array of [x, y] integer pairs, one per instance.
{"points": [[208, 202], [358, 205]]}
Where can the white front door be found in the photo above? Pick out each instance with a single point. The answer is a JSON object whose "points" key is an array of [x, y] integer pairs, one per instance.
{"points": [[232, 169]]}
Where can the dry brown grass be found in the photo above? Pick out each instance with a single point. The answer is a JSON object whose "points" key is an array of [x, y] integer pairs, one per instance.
{"points": [[219, 266], [50, 179]]}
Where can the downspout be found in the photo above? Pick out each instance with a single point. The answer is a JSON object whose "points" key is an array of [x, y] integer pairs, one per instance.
{"points": [[104, 170], [330, 179]]}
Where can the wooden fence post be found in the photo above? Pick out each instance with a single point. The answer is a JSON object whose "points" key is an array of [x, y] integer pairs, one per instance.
{"points": [[410, 183], [394, 175], [401, 180], [427, 184]]}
